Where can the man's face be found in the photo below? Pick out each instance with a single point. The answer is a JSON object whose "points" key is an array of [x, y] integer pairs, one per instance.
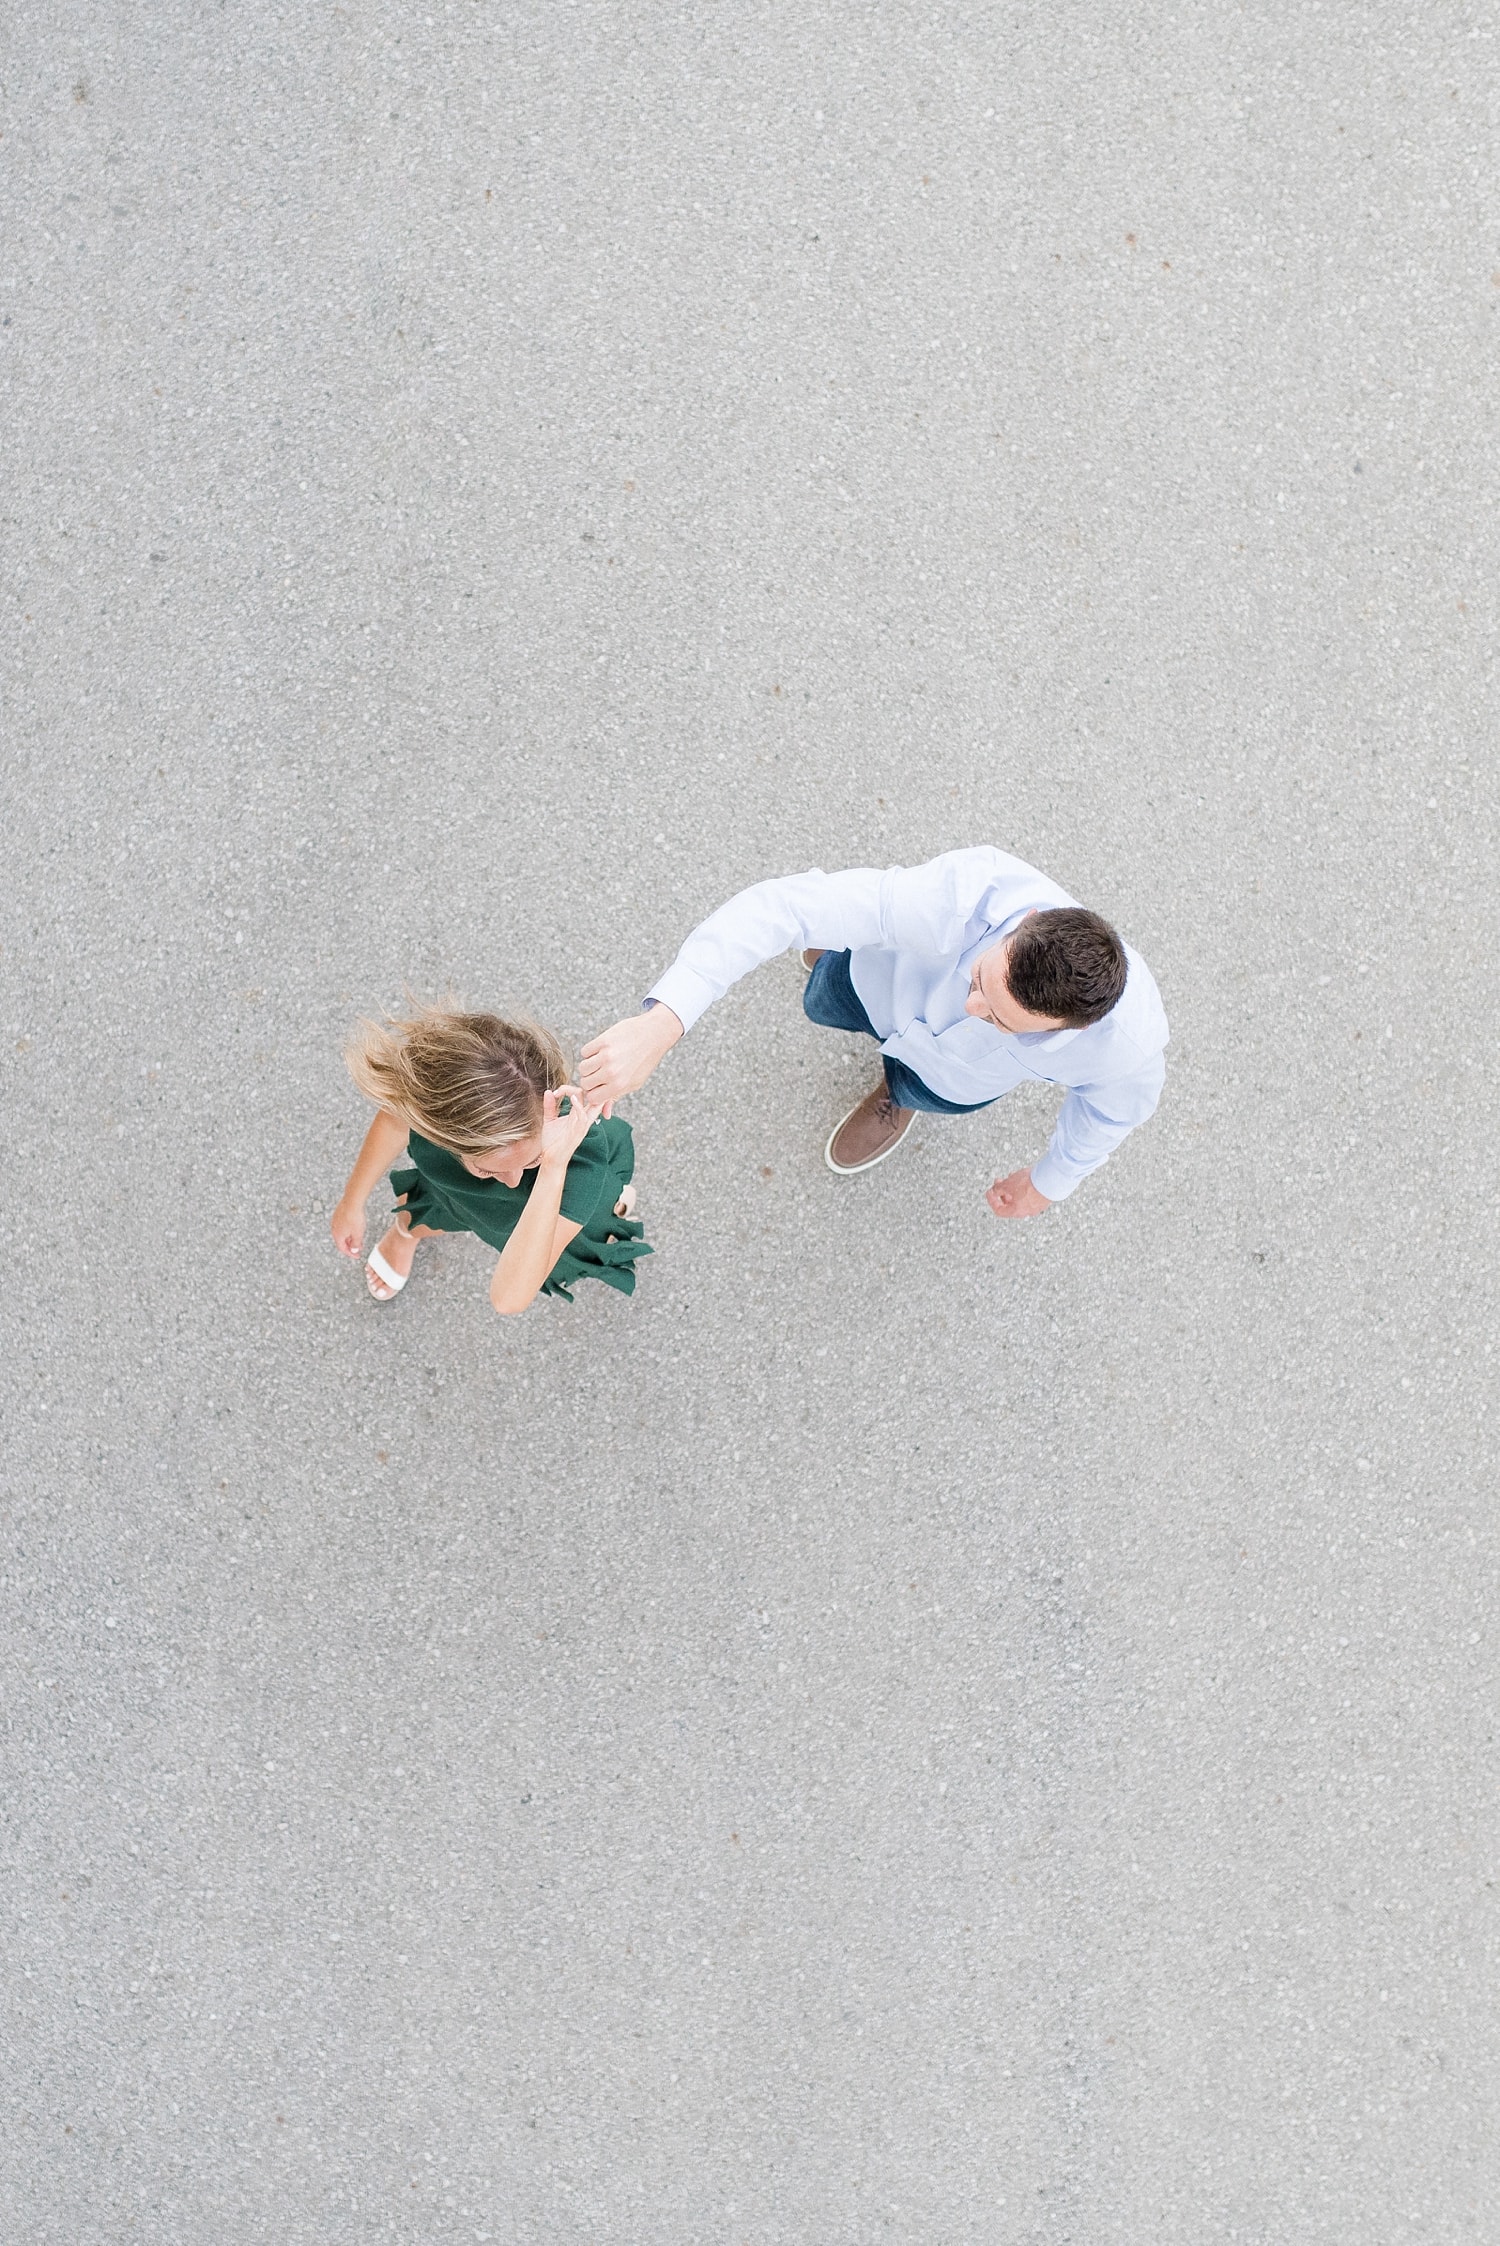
{"points": [[989, 998]]}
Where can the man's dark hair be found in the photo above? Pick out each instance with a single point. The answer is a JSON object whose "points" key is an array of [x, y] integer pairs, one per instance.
{"points": [[1068, 964]]}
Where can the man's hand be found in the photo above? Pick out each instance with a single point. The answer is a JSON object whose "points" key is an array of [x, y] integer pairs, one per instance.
{"points": [[1016, 1196], [619, 1060]]}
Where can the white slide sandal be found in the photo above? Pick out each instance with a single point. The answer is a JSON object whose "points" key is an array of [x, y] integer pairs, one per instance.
{"points": [[375, 1262]]}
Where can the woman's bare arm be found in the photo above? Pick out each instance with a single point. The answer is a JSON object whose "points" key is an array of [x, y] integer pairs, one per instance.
{"points": [[383, 1141], [541, 1233], [532, 1249]]}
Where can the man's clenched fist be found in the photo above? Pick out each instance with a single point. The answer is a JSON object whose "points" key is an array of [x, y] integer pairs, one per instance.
{"points": [[1016, 1196]]}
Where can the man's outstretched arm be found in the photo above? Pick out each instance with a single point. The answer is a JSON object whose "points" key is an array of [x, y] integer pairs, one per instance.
{"points": [[835, 911]]}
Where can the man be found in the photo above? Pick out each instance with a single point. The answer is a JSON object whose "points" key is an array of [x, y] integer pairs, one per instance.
{"points": [[974, 973]]}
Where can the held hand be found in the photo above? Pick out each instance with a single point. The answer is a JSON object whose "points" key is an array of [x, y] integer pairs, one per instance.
{"points": [[563, 1134], [1016, 1196], [619, 1060], [347, 1224]]}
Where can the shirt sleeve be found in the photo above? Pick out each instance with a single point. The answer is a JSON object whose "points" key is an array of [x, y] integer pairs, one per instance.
{"points": [[908, 908], [1092, 1121]]}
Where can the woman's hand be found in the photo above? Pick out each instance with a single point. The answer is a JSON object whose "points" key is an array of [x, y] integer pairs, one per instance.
{"points": [[383, 1142], [563, 1134], [347, 1224]]}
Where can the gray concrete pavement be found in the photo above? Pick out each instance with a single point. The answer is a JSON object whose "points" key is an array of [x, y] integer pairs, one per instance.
{"points": [[911, 1729]]}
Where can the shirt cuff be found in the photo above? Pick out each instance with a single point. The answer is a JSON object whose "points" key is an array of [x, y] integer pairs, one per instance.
{"points": [[1053, 1179], [688, 993]]}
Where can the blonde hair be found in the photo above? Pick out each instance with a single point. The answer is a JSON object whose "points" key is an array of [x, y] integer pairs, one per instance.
{"points": [[470, 1082]]}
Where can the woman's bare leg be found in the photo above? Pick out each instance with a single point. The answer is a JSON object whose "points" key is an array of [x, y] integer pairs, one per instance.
{"points": [[399, 1248]]}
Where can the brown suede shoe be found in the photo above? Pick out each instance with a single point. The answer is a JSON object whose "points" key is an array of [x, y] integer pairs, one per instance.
{"points": [[810, 959], [868, 1133]]}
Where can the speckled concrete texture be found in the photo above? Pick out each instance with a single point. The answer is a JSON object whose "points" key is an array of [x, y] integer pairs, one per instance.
{"points": [[911, 1729]]}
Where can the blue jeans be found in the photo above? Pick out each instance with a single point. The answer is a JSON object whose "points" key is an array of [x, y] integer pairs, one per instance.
{"points": [[832, 1001]]}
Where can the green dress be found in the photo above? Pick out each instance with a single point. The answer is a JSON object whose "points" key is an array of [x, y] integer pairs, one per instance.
{"points": [[440, 1192]]}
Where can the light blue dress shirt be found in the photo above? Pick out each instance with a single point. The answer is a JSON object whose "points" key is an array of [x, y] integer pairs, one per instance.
{"points": [[914, 933]]}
